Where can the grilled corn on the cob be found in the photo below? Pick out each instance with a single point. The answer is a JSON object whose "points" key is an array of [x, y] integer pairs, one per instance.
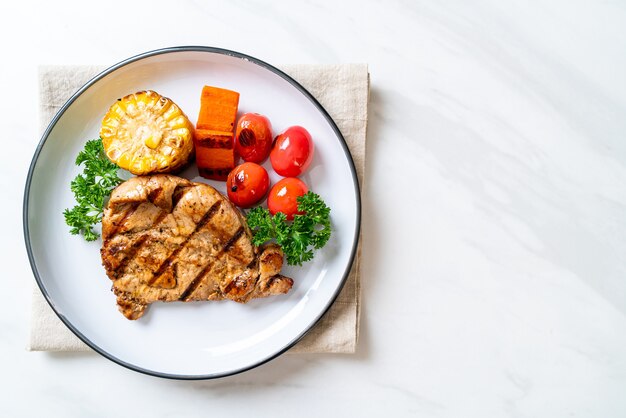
{"points": [[147, 133]]}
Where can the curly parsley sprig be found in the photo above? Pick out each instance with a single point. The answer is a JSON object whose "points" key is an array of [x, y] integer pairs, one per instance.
{"points": [[298, 238], [91, 189]]}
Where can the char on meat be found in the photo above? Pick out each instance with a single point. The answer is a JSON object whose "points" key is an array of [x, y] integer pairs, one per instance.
{"points": [[168, 239]]}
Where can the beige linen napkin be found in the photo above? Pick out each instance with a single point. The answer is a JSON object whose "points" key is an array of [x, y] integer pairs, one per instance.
{"points": [[343, 90]]}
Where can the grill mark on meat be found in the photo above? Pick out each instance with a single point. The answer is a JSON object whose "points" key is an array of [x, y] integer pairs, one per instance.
{"points": [[168, 261], [232, 240], [208, 246], [160, 218], [178, 193], [193, 285], [154, 194], [117, 225], [196, 282], [130, 255], [137, 245]]}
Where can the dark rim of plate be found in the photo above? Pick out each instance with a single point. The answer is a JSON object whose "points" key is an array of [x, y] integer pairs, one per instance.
{"points": [[110, 70]]}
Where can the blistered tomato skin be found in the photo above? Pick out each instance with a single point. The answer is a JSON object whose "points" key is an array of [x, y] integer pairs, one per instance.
{"points": [[292, 152], [283, 196], [253, 138], [247, 184]]}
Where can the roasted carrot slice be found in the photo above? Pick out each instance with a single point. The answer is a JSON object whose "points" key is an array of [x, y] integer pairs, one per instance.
{"points": [[215, 154], [218, 109], [213, 138]]}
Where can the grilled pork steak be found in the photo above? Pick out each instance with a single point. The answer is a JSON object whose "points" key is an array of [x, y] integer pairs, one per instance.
{"points": [[169, 239]]}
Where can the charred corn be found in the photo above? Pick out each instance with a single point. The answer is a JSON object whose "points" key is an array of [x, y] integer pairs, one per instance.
{"points": [[147, 133]]}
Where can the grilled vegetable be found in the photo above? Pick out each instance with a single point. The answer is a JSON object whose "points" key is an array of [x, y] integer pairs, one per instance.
{"points": [[215, 155], [253, 139], [147, 133], [218, 109], [283, 197], [292, 152], [214, 139], [247, 184]]}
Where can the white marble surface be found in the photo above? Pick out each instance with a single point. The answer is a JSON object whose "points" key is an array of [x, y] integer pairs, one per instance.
{"points": [[495, 208]]}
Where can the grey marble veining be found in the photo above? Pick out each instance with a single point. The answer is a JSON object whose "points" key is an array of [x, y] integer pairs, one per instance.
{"points": [[494, 217]]}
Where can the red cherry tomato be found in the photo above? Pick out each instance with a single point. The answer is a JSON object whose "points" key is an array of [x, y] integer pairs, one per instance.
{"points": [[283, 196], [253, 139], [247, 184], [292, 152]]}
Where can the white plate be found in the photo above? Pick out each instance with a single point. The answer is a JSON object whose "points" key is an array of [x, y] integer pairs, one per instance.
{"points": [[186, 340]]}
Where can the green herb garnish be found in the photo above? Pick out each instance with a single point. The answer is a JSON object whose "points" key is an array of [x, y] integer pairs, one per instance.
{"points": [[90, 189], [298, 238]]}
